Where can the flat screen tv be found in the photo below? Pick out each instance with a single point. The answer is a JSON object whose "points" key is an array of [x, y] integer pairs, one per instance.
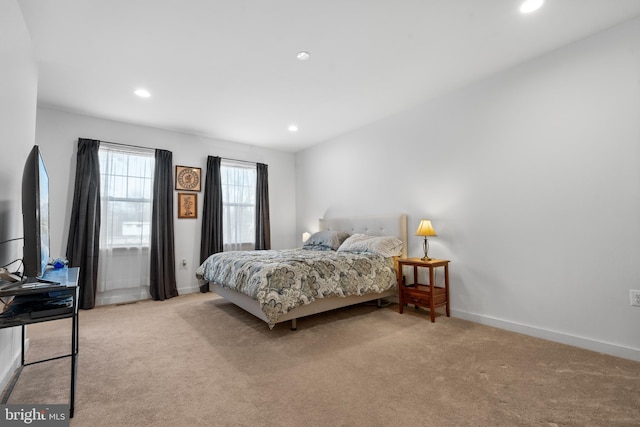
{"points": [[35, 216]]}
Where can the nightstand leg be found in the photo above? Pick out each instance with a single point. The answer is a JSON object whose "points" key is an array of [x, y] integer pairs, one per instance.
{"points": [[446, 287], [399, 278], [415, 283], [432, 306]]}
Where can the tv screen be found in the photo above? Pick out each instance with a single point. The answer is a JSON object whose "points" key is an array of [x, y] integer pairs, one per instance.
{"points": [[35, 215]]}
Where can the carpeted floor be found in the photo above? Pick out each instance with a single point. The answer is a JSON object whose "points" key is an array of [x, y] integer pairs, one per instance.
{"points": [[197, 360]]}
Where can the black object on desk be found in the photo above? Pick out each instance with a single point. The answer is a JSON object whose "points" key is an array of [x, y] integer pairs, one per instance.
{"points": [[55, 297]]}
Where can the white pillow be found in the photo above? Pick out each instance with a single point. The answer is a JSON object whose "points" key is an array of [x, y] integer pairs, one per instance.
{"points": [[387, 246]]}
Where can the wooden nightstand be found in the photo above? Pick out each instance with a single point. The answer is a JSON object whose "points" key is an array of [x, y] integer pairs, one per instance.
{"points": [[427, 296]]}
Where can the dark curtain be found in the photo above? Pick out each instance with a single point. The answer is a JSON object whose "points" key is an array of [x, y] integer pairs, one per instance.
{"points": [[212, 238], [263, 227], [83, 244], [162, 277]]}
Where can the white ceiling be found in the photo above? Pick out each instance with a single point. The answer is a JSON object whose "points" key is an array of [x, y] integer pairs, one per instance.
{"points": [[228, 69]]}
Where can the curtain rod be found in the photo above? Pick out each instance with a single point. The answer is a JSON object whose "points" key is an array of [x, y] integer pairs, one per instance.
{"points": [[126, 145], [147, 148], [239, 161]]}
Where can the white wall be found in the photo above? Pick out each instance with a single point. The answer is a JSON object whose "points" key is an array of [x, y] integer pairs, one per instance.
{"points": [[57, 134], [531, 179], [18, 90]]}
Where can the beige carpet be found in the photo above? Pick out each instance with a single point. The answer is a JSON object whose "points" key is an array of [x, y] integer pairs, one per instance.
{"points": [[197, 360]]}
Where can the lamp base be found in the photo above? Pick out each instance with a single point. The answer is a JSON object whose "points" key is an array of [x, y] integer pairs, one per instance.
{"points": [[425, 247]]}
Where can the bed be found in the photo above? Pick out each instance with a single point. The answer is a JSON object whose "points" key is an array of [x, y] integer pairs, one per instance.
{"points": [[336, 278]]}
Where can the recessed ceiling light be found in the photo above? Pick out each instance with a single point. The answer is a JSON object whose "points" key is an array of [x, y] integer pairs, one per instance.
{"points": [[303, 56], [529, 6], [293, 128], [142, 93]]}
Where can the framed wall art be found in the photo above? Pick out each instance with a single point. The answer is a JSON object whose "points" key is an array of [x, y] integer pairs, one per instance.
{"points": [[187, 205], [188, 178]]}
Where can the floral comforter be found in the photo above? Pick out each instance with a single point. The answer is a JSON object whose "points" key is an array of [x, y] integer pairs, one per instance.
{"points": [[284, 279]]}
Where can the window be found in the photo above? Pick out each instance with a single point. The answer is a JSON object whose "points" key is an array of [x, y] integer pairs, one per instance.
{"points": [[126, 178], [126, 189], [238, 204]]}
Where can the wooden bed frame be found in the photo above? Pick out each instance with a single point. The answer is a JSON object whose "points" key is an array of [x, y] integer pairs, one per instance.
{"points": [[373, 225]]}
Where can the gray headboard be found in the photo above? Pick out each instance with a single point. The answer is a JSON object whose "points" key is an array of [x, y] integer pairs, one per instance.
{"points": [[385, 225]]}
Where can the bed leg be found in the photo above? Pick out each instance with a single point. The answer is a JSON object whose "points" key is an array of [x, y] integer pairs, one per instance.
{"points": [[379, 302], [294, 326]]}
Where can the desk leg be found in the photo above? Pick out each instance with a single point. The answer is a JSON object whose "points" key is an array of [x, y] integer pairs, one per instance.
{"points": [[24, 336], [74, 363], [73, 368]]}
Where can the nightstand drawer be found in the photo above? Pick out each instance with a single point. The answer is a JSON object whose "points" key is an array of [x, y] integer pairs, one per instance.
{"points": [[410, 296], [422, 296], [439, 297]]}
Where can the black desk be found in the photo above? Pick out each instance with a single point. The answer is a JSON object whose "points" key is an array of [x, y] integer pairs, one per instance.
{"points": [[68, 284]]}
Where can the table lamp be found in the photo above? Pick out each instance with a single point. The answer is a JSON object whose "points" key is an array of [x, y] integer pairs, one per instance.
{"points": [[425, 229]]}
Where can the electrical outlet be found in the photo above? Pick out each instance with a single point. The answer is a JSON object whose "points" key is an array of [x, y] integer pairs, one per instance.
{"points": [[635, 297]]}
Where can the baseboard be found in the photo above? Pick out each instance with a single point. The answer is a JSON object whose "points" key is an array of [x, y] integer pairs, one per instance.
{"points": [[7, 373], [10, 368], [122, 296], [192, 289], [126, 296], [576, 341]]}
